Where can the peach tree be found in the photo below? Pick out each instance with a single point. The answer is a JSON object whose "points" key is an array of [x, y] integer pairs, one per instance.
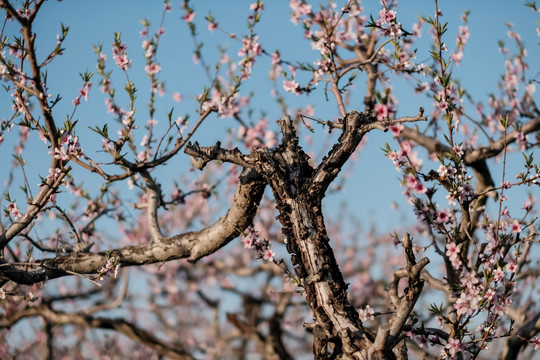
{"points": [[151, 234]]}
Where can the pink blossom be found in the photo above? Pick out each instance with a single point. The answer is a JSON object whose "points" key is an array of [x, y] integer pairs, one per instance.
{"points": [[366, 314], [14, 210], [299, 9], [248, 242], [464, 31], [516, 227], [457, 56], [386, 17], [60, 153], [53, 174], [529, 204], [498, 274], [292, 69], [466, 304], [259, 5], [85, 90], [144, 140], [275, 58], [189, 17], [443, 216], [269, 255], [452, 252], [535, 340], [522, 141], [469, 280], [65, 138], [382, 111], [120, 56], [458, 150], [291, 86], [454, 346], [212, 26], [168, 7], [444, 170], [396, 128], [152, 68], [250, 238], [415, 184], [106, 144], [177, 97], [142, 156]]}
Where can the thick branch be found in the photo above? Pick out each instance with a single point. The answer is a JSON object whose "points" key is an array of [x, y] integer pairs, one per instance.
{"points": [[355, 125], [191, 245], [49, 188], [406, 303], [200, 156], [471, 155], [120, 325], [331, 164]]}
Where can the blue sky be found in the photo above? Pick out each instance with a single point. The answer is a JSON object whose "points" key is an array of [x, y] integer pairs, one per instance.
{"points": [[96, 21]]}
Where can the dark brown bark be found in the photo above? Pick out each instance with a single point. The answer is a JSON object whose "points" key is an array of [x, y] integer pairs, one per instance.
{"points": [[298, 190]]}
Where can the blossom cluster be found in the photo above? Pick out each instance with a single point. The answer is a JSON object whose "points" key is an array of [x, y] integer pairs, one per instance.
{"points": [[253, 241], [83, 92], [461, 40], [388, 24], [250, 49], [13, 210], [120, 54], [258, 136], [69, 147]]}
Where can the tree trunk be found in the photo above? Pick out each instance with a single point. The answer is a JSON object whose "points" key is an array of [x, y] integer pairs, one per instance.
{"points": [[298, 189], [325, 289], [300, 213]]}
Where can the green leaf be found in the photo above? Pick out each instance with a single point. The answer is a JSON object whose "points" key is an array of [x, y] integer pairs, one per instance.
{"points": [[504, 122], [436, 310], [528, 159]]}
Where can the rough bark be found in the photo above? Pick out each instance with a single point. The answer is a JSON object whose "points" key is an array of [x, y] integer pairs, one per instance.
{"points": [[298, 190], [191, 245]]}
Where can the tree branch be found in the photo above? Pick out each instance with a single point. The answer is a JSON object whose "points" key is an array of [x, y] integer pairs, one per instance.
{"points": [[191, 245], [117, 324]]}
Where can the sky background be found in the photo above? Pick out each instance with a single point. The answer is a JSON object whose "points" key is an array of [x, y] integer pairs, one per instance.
{"points": [[372, 185]]}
